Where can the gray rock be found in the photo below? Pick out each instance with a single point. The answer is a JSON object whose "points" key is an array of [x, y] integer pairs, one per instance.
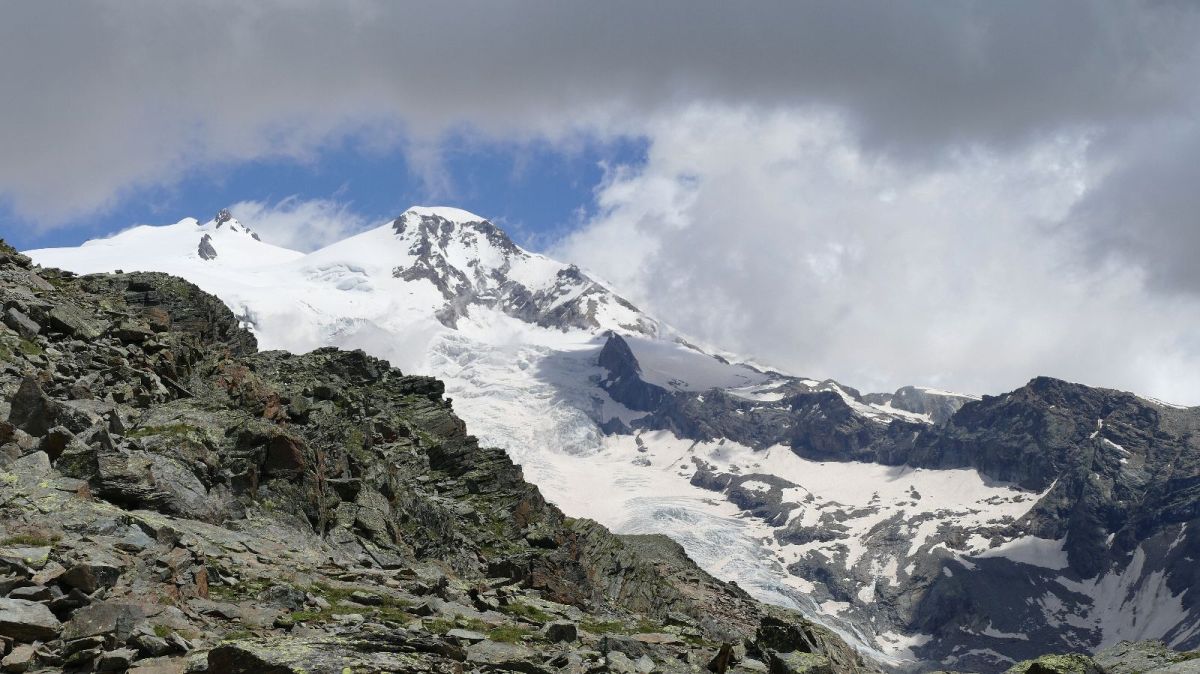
{"points": [[1132, 657], [798, 662], [72, 321], [20, 659], [502, 656], [619, 663], [21, 324], [90, 576], [466, 636], [562, 630], [615, 643], [109, 617], [283, 596], [22, 556], [27, 621], [151, 645], [31, 593], [115, 661], [205, 250], [32, 411], [366, 598]]}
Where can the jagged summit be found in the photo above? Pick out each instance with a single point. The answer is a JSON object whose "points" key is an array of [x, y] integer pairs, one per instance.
{"points": [[457, 264], [227, 222]]}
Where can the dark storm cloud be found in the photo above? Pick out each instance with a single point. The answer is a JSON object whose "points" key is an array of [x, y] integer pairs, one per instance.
{"points": [[101, 97], [961, 193], [1147, 209]]}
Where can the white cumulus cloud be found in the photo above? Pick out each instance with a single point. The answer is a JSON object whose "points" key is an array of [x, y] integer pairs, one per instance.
{"points": [[777, 235]]}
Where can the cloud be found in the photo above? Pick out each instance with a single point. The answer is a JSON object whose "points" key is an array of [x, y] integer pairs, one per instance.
{"points": [[1146, 211], [778, 235], [105, 97], [300, 224], [913, 184]]}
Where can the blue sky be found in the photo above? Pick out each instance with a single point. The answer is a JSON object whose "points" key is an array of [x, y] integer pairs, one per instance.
{"points": [[537, 191]]}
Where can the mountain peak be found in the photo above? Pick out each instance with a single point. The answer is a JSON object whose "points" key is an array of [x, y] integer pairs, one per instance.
{"points": [[472, 262], [441, 227], [448, 213], [225, 221]]}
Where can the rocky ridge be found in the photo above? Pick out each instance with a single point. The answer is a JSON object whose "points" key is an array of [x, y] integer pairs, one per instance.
{"points": [[172, 500], [1112, 479]]}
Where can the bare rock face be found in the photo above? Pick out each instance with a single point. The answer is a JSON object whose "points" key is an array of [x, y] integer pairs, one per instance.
{"points": [[205, 250], [1112, 483]]}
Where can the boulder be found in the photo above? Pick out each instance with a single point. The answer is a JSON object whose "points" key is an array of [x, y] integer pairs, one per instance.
{"points": [[619, 663], [562, 631], [285, 454], [798, 662], [24, 620], [55, 441], [21, 324], [1071, 663], [32, 411], [72, 321], [254, 658], [20, 659], [31, 593], [466, 636], [132, 332], [109, 617], [166, 665], [91, 576], [115, 661], [492, 655], [615, 643]]}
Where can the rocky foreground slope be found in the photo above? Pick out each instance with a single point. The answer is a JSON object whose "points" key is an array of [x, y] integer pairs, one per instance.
{"points": [[171, 500]]}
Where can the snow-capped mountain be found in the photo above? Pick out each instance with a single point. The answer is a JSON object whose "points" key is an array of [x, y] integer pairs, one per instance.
{"points": [[926, 526]]}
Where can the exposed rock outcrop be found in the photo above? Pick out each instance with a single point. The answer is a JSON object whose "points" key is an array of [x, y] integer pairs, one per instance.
{"points": [[171, 500]]}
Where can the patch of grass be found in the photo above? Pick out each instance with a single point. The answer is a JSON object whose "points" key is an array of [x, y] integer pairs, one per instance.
{"points": [[533, 613], [697, 641], [509, 634], [439, 625], [247, 589], [162, 631], [474, 624], [310, 616], [604, 626], [29, 348], [646, 625], [389, 609], [30, 540]]}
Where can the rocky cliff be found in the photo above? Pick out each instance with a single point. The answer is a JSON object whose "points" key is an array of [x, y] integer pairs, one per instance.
{"points": [[172, 500], [1104, 548]]}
